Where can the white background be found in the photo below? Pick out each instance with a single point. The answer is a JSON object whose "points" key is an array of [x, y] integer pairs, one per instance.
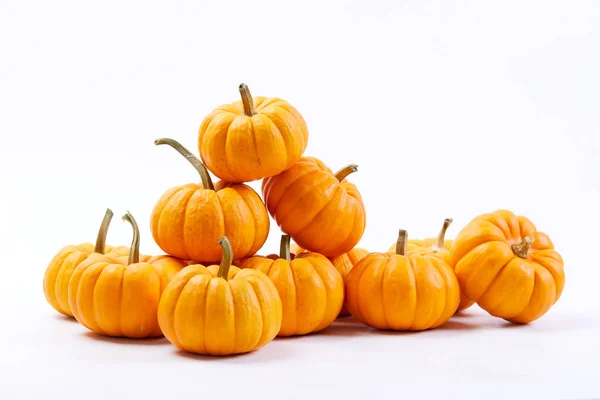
{"points": [[450, 109]]}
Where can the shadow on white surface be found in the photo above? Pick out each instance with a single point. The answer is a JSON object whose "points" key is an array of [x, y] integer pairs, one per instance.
{"points": [[468, 322], [266, 354], [65, 318], [160, 341]]}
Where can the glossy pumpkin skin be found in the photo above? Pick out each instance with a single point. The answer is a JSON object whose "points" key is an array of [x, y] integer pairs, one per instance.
{"points": [[519, 289], [120, 299], [319, 212], [412, 292], [343, 264], [61, 267], [203, 313], [188, 221], [311, 290], [241, 145]]}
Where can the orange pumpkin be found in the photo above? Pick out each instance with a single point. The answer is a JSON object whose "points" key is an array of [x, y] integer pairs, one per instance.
{"points": [[320, 210], [252, 138], [343, 264], [440, 247], [220, 309], [311, 289], [188, 220], [120, 299], [508, 267], [402, 291], [61, 267]]}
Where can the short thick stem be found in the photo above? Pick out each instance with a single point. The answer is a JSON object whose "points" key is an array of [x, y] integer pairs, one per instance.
{"points": [[226, 259], [284, 248], [102, 232], [247, 100], [134, 251], [521, 249], [196, 163], [402, 243], [344, 172], [439, 243]]}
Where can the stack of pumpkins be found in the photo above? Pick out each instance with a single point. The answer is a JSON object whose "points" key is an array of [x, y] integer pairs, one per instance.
{"points": [[211, 294]]}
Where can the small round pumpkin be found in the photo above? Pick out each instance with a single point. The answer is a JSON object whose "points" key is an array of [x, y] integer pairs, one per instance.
{"points": [[252, 139], [311, 289], [402, 291], [61, 267], [119, 299], [343, 264], [188, 221], [220, 310], [320, 210], [507, 266], [438, 246]]}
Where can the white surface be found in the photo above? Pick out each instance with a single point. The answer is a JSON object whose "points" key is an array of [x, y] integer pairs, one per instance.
{"points": [[450, 111]]}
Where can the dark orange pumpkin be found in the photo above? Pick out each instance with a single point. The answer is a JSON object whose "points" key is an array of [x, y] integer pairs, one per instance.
{"points": [[320, 210]]}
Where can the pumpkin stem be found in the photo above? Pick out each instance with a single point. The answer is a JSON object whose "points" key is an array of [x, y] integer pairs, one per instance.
{"points": [[402, 243], [344, 172], [102, 232], [284, 248], [134, 252], [247, 100], [521, 249], [439, 243], [227, 258], [198, 165]]}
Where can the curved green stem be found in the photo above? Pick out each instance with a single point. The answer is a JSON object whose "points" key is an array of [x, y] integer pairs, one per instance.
{"points": [[134, 251], [227, 258], [103, 231], [247, 100], [521, 249], [284, 248], [402, 243], [439, 243], [344, 172], [198, 165]]}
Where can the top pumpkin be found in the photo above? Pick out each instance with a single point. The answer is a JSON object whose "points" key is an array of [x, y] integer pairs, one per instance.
{"points": [[252, 138]]}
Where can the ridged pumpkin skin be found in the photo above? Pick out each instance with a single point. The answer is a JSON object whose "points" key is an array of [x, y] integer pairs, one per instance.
{"points": [[252, 139], [412, 292], [188, 221], [321, 213], [431, 245], [118, 299], [509, 268], [343, 264], [61, 267], [311, 290], [201, 312]]}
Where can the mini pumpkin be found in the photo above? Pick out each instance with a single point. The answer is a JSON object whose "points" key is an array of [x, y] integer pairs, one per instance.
{"points": [[438, 246], [343, 264], [311, 289], [402, 291], [220, 310], [188, 220], [119, 299], [320, 210], [252, 139], [61, 267], [507, 266]]}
